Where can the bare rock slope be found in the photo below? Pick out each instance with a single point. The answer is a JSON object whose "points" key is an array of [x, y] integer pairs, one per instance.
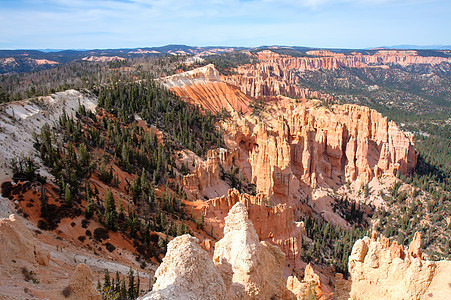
{"points": [[203, 86]]}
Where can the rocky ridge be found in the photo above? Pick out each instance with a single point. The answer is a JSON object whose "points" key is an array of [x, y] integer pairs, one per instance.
{"points": [[303, 143], [203, 87], [396, 272]]}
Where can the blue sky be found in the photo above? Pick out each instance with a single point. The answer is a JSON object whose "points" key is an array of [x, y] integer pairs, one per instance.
{"points": [[88, 24]]}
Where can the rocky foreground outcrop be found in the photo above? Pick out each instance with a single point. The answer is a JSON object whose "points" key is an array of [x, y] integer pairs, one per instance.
{"points": [[380, 271], [256, 266], [242, 266], [187, 273], [274, 224]]}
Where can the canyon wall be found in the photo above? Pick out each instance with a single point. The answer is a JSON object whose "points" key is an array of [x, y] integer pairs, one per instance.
{"points": [[291, 144], [275, 74], [294, 144]]}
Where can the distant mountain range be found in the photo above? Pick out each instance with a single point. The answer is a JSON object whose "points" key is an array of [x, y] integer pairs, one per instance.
{"points": [[20, 61], [416, 47]]}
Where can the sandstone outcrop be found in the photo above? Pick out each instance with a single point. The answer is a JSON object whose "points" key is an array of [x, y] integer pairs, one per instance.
{"points": [[310, 285], [80, 284], [187, 273], [204, 181], [203, 87], [274, 224], [378, 272], [242, 266], [256, 266]]}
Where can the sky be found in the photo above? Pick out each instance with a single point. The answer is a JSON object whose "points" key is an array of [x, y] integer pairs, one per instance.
{"points": [[103, 24]]}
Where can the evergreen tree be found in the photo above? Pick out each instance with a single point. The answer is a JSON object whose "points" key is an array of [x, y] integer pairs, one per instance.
{"points": [[68, 195], [131, 284]]}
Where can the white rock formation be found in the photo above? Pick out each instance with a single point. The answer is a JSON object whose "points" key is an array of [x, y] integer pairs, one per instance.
{"points": [[256, 266], [243, 268], [382, 272], [187, 273]]}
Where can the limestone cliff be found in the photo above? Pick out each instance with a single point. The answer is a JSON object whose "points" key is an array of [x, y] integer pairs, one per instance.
{"points": [[396, 272]]}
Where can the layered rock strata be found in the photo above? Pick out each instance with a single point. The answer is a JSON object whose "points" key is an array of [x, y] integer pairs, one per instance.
{"points": [[203, 87], [276, 74], [396, 272]]}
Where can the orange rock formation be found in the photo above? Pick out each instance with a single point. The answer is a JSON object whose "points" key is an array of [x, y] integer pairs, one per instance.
{"points": [[202, 86], [301, 143]]}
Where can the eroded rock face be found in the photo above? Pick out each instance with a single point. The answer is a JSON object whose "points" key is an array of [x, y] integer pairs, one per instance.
{"points": [[80, 284], [303, 143], [378, 272], [204, 180], [187, 273], [274, 224], [256, 266], [203, 87], [310, 285]]}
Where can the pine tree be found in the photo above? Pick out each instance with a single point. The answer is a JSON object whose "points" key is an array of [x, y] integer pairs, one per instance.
{"points": [[68, 195], [110, 210], [137, 286], [131, 284], [106, 279], [123, 292]]}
